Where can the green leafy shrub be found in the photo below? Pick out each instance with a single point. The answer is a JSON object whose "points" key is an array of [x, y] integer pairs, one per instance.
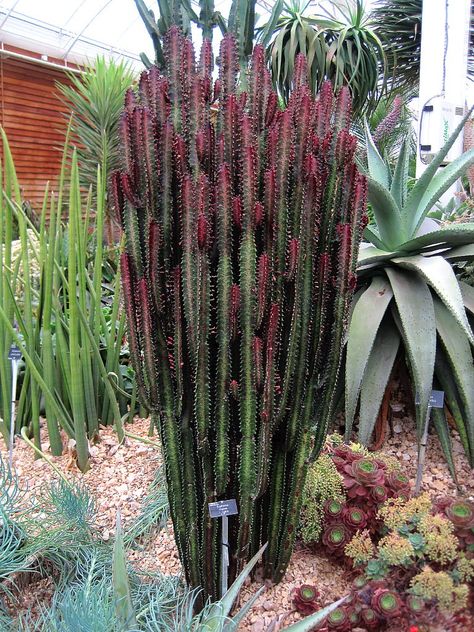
{"points": [[323, 483]]}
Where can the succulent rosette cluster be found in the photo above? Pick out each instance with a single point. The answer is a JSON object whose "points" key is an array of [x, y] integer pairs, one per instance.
{"points": [[461, 513], [368, 484], [305, 599]]}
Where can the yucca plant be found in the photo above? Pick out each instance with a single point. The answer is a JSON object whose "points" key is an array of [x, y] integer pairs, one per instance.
{"points": [[341, 45], [69, 350], [410, 298], [242, 233]]}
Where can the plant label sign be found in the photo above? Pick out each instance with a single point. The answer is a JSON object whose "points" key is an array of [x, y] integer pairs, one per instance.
{"points": [[436, 399], [14, 353], [223, 508]]}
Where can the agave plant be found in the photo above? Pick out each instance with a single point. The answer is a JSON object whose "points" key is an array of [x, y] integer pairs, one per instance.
{"points": [[241, 238], [341, 46], [410, 297]]}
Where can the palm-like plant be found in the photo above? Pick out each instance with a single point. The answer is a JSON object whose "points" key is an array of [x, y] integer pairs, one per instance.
{"points": [[95, 98], [410, 297], [342, 47]]}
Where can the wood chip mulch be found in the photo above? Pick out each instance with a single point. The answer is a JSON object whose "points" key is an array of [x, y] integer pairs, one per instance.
{"points": [[120, 475]]}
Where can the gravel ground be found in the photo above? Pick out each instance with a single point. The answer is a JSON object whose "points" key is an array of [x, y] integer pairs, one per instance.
{"points": [[120, 475]]}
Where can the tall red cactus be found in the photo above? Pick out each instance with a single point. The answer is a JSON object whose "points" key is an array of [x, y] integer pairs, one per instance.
{"points": [[242, 225]]}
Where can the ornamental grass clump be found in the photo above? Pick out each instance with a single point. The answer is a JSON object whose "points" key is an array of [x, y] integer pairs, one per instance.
{"points": [[242, 232]]}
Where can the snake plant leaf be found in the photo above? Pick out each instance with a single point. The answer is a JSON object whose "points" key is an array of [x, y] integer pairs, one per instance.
{"points": [[376, 376], [386, 213], [467, 292], [415, 308], [398, 187], [378, 170], [124, 609], [364, 324], [439, 185], [410, 210], [459, 355], [442, 429], [455, 235], [461, 253], [438, 273], [309, 623]]}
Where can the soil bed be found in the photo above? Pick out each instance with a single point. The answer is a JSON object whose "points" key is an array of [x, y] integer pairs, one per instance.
{"points": [[119, 478]]}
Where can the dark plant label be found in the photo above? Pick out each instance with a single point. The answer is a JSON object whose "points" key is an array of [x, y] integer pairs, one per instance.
{"points": [[436, 399], [14, 353], [223, 508]]}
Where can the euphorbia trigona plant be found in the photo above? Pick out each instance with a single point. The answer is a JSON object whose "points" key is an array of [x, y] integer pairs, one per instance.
{"points": [[242, 229]]}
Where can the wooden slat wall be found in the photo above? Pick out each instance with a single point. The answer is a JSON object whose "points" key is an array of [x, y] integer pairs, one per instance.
{"points": [[33, 117]]}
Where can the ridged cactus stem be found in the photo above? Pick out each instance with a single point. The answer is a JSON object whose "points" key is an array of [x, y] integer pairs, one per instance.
{"points": [[242, 227]]}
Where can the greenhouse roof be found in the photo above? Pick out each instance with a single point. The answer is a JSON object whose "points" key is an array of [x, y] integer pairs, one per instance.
{"points": [[75, 30]]}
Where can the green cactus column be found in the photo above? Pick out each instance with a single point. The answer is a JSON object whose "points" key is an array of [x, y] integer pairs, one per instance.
{"points": [[242, 222]]}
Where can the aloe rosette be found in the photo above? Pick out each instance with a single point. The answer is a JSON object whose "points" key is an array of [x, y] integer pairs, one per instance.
{"points": [[242, 227], [409, 298]]}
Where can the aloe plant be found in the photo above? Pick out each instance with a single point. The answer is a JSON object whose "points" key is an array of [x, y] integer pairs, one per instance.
{"points": [[410, 298], [241, 241]]}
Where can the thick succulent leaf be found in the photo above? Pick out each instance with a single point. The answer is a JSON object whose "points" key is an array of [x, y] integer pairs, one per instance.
{"points": [[370, 233], [461, 253], [455, 235], [376, 376], [363, 327], [309, 623], [446, 379], [410, 210], [438, 273], [378, 169], [398, 187], [439, 185], [417, 321], [269, 29], [458, 352], [387, 215], [442, 429], [467, 292], [368, 255]]}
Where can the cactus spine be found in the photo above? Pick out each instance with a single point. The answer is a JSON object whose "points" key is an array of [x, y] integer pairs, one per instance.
{"points": [[242, 222]]}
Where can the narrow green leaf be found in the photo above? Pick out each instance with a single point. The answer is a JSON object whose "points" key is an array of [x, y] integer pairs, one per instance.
{"points": [[441, 426], [413, 204], [387, 215], [124, 609], [378, 170], [439, 185], [458, 352]]}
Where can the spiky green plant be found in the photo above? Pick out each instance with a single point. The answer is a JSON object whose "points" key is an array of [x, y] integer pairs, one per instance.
{"points": [[341, 45], [410, 298], [242, 233]]}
